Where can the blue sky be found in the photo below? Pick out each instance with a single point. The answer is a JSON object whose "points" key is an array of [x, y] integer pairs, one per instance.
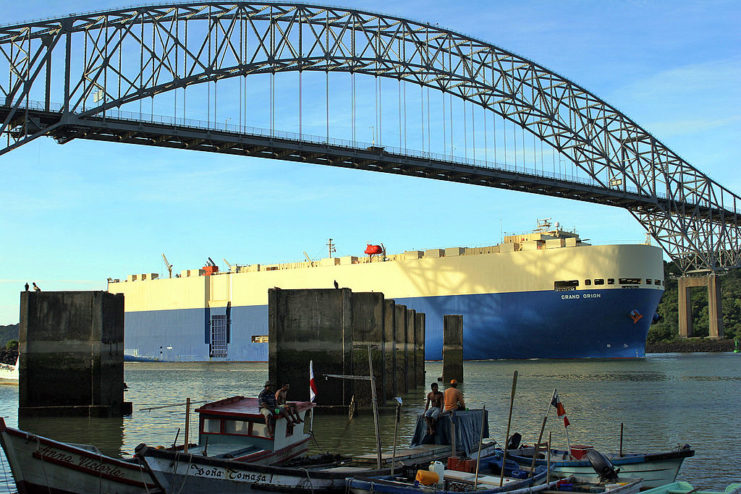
{"points": [[76, 214]]}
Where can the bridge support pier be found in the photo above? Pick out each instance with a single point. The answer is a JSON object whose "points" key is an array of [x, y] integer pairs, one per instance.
{"points": [[715, 310]]}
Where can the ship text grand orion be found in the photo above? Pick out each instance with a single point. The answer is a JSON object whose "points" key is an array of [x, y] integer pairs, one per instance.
{"points": [[544, 294]]}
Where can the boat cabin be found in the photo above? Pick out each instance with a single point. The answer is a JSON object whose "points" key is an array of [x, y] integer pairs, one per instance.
{"points": [[235, 428]]}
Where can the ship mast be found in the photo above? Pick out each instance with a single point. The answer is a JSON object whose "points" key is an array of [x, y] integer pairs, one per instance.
{"points": [[331, 247]]}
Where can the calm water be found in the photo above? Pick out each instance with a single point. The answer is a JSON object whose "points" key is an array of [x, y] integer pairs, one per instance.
{"points": [[664, 400]]}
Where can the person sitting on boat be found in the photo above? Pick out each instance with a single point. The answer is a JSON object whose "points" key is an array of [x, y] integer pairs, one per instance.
{"points": [[281, 397], [454, 398], [433, 407], [269, 408]]}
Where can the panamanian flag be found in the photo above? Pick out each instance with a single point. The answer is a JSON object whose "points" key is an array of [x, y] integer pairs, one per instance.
{"points": [[560, 410], [312, 384]]}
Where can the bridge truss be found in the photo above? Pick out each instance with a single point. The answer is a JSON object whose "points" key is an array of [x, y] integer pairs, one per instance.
{"points": [[95, 64]]}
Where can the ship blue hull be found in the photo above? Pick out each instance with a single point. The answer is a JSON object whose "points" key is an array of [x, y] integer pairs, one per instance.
{"points": [[525, 325]]}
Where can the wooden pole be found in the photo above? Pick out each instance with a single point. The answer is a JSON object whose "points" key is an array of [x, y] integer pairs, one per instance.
{"points": [[379, 460], [548, 460], [187, 424], [509, 422], [621, 439], [540, 436], [481, 440], [396, 433], [452, 434]]}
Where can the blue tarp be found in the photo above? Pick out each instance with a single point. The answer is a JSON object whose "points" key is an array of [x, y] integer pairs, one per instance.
{"points": [[467, 430]]}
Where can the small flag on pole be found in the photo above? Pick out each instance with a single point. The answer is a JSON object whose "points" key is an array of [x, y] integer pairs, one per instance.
{"points": [[560, 410], [312, 384]]}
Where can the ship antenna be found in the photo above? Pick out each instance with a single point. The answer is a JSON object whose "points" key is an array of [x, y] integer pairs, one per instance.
{"points": [[331, 247]]}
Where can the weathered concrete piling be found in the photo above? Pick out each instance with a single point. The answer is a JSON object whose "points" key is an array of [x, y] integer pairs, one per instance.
{"points": [[309, 325], [71, 346], [419, 348], [453, 348], [367, 323], [334, 329], [400, 351]]}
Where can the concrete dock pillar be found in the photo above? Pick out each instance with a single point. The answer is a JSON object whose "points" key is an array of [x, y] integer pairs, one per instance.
{"points": [[452, 348], [400, 336], [71, 346], [419, 348], [715, 311], [411, 369], [312, 325], [368, 329], [389, 349]]}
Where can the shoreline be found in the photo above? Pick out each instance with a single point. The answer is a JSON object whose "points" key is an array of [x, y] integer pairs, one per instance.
{"points": [[691, 345]]}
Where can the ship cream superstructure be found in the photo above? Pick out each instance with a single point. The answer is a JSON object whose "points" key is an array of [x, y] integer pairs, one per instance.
{"points": [[545, 285]]}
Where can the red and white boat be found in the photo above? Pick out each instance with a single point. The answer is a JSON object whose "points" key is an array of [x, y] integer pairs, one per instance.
{"points": [[235, 429]]}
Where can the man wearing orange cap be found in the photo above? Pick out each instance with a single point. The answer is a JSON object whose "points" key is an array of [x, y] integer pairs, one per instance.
{"points": [[454, 398]]}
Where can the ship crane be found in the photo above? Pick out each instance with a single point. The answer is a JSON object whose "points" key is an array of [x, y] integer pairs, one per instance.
{"points": [[227, 263], [309, 259], [169, 266]]}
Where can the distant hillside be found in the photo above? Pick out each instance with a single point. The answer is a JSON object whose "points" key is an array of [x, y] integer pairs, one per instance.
{"points": [[7, 333], [667, 329]]}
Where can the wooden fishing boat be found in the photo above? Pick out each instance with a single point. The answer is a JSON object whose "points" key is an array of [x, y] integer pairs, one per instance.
{"points": [[43, 465], [452, 481], [231, 428], [686, 488], [655, 469], [175, 471]]}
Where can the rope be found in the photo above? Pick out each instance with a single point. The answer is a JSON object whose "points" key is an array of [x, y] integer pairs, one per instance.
{"points": [[185, 477], [308, 477]]}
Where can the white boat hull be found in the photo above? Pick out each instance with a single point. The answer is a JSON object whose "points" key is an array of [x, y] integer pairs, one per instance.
{"points": [[41, 465]]}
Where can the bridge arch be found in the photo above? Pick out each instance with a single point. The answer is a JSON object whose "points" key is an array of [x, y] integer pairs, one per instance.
{"points": [[122, 56]]}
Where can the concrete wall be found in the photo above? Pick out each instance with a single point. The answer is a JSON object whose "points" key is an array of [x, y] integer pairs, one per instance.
{"points": [[419, 348], [71, 346], [368, 329], [313, 325], [452, 348], [389, 349]]}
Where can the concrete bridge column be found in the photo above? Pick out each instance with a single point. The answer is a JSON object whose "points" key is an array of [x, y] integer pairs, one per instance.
{"points": [[685, 306], [714, 307], [712, 282]]}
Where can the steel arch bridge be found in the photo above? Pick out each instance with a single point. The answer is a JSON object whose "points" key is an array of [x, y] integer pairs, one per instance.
{"points": [[94, 64]]}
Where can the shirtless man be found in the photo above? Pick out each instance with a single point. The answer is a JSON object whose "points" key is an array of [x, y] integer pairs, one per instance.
{"points": [[269, 408], [433, 407], [280, 398], [454, 398]]}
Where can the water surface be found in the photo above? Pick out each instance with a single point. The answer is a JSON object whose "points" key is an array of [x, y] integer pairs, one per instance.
{"points": [[663, 401]]}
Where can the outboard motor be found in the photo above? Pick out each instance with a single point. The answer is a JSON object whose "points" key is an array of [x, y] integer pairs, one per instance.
{"points": [[603, 466], [514, 441]]}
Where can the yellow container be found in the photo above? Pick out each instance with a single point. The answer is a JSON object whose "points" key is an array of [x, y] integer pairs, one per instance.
{"points": [[425, 477]]}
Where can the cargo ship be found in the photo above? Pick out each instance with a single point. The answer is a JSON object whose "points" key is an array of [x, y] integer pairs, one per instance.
{"points": [[544, 294]]}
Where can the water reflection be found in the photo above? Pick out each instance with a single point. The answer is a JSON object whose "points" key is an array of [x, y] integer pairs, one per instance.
{"points": [[107, 434]]}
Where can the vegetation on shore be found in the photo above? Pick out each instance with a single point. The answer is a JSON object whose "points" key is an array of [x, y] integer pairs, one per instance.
{"points": [[667, 329]]}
